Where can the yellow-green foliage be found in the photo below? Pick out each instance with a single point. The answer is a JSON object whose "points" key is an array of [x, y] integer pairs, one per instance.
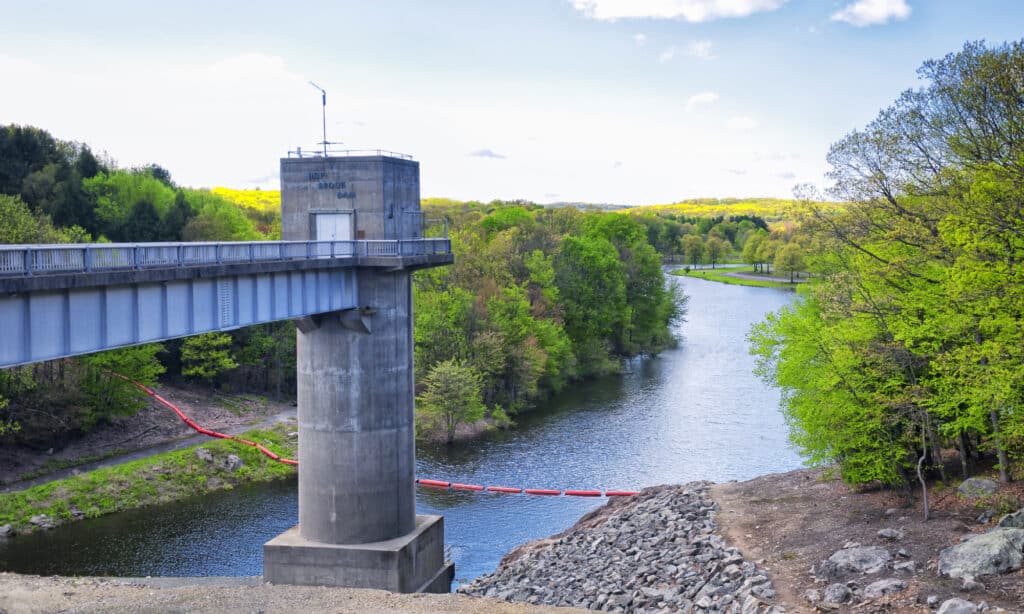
{"points": [[770, 209], [266, 201], [158, 479]]}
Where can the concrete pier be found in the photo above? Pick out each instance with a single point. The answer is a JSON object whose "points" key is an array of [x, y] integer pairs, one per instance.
{"points": [[356, 433], [357, 509]]}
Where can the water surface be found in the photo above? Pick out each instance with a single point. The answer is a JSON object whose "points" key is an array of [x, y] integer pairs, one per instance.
{"points": [[693, 413]]}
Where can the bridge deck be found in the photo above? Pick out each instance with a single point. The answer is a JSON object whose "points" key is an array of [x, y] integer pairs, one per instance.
{"points": [[63, 300], [27, 260]]}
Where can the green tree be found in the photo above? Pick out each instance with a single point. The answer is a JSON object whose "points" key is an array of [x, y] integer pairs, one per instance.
{"points": [[20, 225], [790, 259], [920, 304], [118, 195], [833, 391], [715, 249], [693, 249], [107, 382], [207, 356], [751, 247], [451, 397], [216, 219], [592, 283]]}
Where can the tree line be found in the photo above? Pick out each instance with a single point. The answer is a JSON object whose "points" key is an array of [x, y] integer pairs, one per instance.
{"points": [[537, 298], [911, 345]]}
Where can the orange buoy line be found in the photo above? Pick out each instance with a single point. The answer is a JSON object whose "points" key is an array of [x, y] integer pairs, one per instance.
{"points": [[422, 482]]}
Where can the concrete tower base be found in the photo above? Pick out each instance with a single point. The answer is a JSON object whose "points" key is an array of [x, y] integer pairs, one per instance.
{"points": [[412, 563]]}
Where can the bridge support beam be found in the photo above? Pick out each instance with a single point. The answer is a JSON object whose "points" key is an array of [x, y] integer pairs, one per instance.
{"points": [[357, 502]]}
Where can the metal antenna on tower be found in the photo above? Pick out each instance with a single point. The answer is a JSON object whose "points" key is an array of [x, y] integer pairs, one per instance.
{"points": [[323, 92]]}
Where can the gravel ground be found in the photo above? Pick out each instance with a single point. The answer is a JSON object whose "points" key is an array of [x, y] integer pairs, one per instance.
{"points": [[30, 594], [656, 552]]}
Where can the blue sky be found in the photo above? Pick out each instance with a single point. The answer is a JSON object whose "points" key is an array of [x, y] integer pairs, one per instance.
{"points": [[624, 101]]}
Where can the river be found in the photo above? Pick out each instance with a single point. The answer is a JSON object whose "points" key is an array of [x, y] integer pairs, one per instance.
{"points": [[693, 413]]}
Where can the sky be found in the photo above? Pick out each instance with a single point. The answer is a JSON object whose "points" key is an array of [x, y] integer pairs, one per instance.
{"points": [[605, 101]]}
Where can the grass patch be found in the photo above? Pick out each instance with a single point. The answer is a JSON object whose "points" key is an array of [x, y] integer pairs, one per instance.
{"points": [[724, 277], [161, 478]]}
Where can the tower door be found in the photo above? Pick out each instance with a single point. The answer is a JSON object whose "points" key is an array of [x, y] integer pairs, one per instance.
{"points": [[335, 227]]}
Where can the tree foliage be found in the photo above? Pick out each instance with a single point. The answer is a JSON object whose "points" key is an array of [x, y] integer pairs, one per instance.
{"points": [[919, 314], [451, 396], [207, 356]]}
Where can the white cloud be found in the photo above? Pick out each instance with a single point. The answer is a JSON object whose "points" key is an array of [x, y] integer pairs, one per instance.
{"points": [[700, 49], [741, 124], [640, 39], [872, 12], [667, 55], [687, 10], [486, 153], [701, 98]]}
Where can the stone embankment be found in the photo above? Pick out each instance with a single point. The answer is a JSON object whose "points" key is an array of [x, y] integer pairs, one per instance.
{"points": [[656, 552]]}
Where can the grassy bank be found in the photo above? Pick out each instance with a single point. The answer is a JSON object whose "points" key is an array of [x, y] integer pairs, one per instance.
{"points": [[726, 276], [162, 478]]}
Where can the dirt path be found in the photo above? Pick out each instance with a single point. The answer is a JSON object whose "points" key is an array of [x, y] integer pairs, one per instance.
{"points": [[759, 277], [796, 520], [30, 594], [153, 430]]}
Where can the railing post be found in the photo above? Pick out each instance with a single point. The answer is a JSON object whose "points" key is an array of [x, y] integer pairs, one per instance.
{"points": [[179, 255], [252, 252], [87, 258], [135, 255], [217, 252], [28, 262]]}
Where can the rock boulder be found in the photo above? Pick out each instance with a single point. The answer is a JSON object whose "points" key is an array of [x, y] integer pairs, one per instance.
{"points": [[862, 559], [1013, 521], [973, 488], [884, 587], [837, 593], [957, 606], [998, 551]]}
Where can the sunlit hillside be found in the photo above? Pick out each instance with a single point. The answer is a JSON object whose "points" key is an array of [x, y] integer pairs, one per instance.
{"points": [[770, 209], [267, 201]]}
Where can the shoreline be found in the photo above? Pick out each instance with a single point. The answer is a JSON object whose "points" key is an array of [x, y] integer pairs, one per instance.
{"points": [[744, 276], [774, 534], [215, 465]]}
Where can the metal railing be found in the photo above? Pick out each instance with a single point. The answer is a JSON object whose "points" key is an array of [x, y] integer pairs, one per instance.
{"points": [[27, 260], [298, 152]]}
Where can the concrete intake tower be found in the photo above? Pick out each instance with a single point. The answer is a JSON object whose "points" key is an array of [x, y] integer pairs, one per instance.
{"points": [[357, 507]]}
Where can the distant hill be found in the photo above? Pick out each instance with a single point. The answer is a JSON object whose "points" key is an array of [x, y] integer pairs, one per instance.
{"points": [[264, 201], [770, 209], [588, 206]]}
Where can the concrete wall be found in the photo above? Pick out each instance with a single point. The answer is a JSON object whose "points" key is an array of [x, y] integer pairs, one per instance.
{"points": [[383, 192]]}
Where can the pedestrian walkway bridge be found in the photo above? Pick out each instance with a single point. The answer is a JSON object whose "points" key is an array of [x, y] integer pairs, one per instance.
{"points": [[64, 300]]}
